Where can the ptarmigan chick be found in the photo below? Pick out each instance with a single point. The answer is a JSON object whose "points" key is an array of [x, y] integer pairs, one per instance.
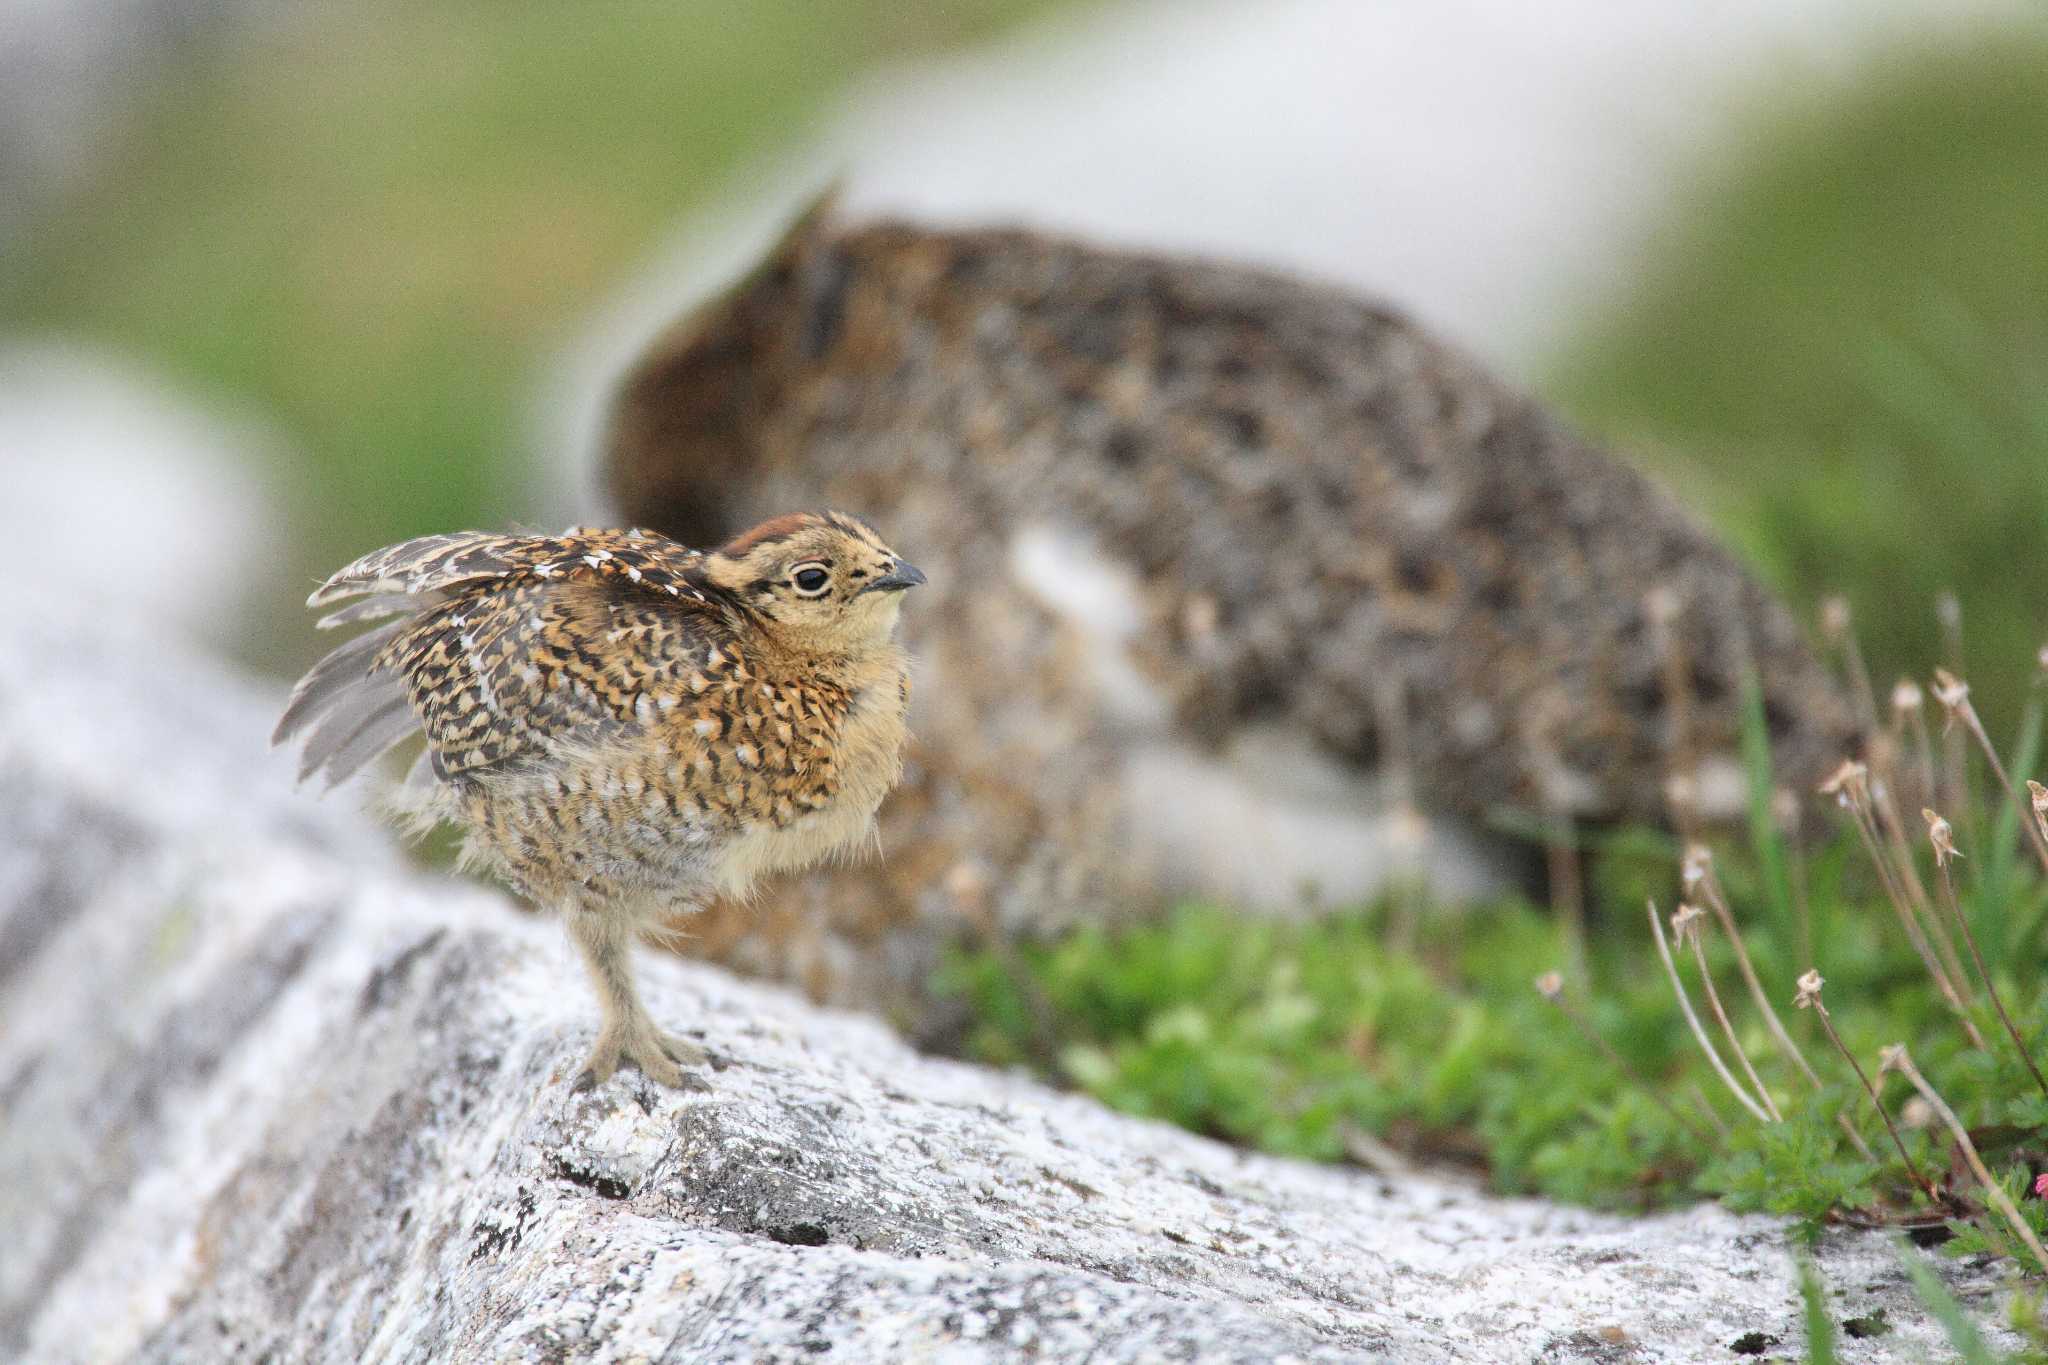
{"points": [[625, 727]]}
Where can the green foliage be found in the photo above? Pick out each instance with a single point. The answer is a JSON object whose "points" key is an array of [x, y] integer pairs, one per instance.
{"points": [[1820, 1328], [1800, 1167], [1289, 1036], [1998, 887], [1299, 1036], [1993, 1236], [2029, 1318], [1969, 1343], [1852, 301]]}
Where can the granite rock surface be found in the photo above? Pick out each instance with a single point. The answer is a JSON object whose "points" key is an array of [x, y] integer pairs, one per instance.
{"points": [[271, 1094]]}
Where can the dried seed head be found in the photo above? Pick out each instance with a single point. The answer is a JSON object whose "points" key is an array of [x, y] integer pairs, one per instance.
{"points": [[1849, 781], [1698, 862], [1916, 1113], [1683, 918], [1942, 835], [1907, 696], [1950, 691], [2039, 794], [1550, 985], [1893, 1058], [1809, 991], [1834, 618]]}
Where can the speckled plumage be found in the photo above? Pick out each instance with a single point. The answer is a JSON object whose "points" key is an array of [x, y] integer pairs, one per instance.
{"points": [[1321, 525], [624, 726]]}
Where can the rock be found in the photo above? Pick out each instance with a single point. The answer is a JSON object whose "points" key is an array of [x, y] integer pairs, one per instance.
{"points": [[1415, 151], [101, 452], [73, 76], [270, 1094]]}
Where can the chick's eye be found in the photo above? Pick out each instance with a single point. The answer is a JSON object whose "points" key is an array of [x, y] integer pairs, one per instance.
{"points": [[810, 580]]}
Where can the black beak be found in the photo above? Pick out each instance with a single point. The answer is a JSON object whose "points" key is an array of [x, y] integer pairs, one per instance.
{"points": [[903, 575]]}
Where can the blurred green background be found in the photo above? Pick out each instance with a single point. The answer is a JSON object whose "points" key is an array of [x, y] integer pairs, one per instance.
{"points": [[380, 227], [377, 225], [1839, 352]]}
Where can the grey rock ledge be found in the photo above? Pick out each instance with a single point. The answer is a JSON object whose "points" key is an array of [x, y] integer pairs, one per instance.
{"points": [[270, 1095]]}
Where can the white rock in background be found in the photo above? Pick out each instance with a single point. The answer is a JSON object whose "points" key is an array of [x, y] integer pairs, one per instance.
{"points": [[268, 1095], [120, 490], [1488, 166], [1485, 165], [70, 74]]}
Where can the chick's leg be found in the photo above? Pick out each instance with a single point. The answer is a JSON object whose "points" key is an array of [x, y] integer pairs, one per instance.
{"points": [[627, 1036]]}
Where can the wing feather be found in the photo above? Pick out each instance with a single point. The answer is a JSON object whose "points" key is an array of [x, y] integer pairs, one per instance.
{"points": [[344, 669], [506, 648], [351, 737]]}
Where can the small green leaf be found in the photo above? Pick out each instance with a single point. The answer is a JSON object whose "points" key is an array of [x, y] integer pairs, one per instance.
{"points": [[1820, 1329]]}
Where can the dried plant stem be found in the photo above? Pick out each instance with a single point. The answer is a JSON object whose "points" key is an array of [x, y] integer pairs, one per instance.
{"points": [[1390, 703], [1692, 1021], [1923, 750], [1802, 899], [1662, 607], [1948, 610], [1636, 1078], [1568, 893], [1859, 680], [1718, 903], [1967, 713], [1909, 878], [1898, 1058], [1716, 900], [1828, 1024], [1955, 779], [1699, 956], [1948, 895], [1866, 829], [1855, 1138], [1705, 1106]]}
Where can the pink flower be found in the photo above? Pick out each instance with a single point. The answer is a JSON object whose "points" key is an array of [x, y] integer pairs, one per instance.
{"points": [[2041, 1186]]}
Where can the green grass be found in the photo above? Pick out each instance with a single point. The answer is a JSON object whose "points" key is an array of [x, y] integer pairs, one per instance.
{"points": [[1296, 1037], [1839, 348], [1289, 1037], [1962, 1334], [376, 224], [1820, 1328]]}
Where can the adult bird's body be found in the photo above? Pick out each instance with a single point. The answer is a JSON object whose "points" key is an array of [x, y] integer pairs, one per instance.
{"points": [[1233, 573], [623, 726]]}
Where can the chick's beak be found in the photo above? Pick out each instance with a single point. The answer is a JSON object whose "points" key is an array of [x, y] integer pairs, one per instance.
{"points": [[902, 575]]}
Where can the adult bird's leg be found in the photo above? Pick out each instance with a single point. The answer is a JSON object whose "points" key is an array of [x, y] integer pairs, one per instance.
{"points": [[627, 1036]]}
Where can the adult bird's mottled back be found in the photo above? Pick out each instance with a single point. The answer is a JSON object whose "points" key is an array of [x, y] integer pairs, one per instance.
{"points": [[1212, 543]]}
